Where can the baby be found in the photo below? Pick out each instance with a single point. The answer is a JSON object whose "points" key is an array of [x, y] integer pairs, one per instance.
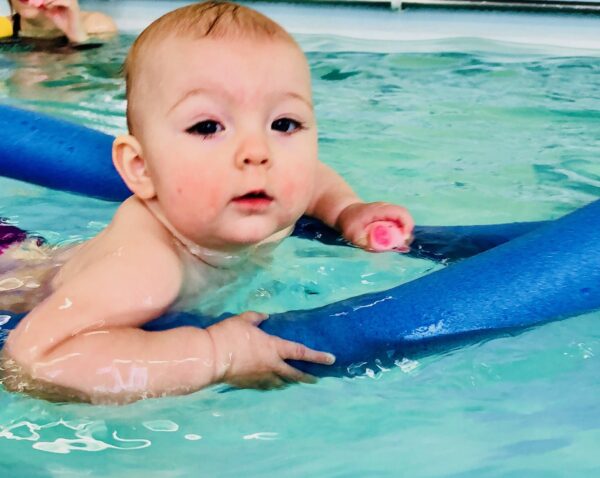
{"points": [[221, 158], [56, 18]]}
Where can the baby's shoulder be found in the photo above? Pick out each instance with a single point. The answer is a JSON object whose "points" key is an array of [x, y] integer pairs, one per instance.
{"points": [[136, 237], [132, 248], [133, 221]]}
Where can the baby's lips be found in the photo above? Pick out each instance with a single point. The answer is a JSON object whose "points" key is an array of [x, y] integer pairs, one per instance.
{"points": [[386, 235]]}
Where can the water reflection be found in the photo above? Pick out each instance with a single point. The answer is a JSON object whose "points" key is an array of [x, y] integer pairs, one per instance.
{"points": [[83, 431], [69, 83]]}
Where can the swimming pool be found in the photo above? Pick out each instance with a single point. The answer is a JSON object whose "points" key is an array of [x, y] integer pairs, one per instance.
{"points": [[459, 130]]}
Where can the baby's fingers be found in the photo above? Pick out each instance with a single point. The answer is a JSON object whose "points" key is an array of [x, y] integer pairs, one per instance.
{"points": [[294, 351], [291, 374], [270, 382]]}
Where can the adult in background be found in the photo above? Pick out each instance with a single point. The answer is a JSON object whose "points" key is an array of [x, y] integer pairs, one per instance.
{"points": [[55, 19]]}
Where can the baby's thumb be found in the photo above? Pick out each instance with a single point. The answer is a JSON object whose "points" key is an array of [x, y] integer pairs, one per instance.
{"points": [[254, 318]]}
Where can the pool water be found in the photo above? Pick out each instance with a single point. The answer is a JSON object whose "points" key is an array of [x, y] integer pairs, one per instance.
{"points": [[460, 132]]}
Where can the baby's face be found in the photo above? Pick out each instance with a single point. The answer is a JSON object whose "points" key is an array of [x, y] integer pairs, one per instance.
{"points": [[228, 132]]}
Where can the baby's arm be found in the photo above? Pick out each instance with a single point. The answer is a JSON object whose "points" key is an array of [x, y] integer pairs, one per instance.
{"points": [[85, 338], [374, 226], [331, 196]]}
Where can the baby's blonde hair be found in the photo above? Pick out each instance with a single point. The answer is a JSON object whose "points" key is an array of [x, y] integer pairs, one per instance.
{"points": [[211, 19]]}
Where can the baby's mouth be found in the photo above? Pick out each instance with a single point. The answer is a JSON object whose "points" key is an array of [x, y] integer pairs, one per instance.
{"points": [[254, 199]]}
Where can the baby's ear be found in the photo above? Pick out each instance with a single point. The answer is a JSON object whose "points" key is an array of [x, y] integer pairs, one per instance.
{"points": [[129, 161]]}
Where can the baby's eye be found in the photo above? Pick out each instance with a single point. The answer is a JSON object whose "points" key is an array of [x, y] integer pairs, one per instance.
{"points": [[286, 125], [206, 128]]}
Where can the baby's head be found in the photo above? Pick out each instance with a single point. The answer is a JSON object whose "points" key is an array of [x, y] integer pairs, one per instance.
{"points": [[223, 139]]}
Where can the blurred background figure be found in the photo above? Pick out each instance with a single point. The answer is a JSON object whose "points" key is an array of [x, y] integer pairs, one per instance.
{"points": [[54, 19]]}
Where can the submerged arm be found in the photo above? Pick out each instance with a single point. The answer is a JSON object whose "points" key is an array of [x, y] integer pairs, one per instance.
{"points": [[85, 337], [84, 342]]}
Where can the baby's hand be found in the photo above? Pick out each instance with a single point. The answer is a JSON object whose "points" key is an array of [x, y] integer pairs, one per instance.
{"points": [[377, 226], [247, 357]]}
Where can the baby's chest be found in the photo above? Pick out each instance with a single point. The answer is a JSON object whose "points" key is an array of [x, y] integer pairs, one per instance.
{"points": [[200, 282]]}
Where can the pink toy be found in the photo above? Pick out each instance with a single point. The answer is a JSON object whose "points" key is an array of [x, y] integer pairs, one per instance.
{"points": [[385, 236]]}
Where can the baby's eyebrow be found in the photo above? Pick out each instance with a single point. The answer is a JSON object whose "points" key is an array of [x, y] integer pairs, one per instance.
{"points": [[297, 96], [193, 92], [206, 91]]}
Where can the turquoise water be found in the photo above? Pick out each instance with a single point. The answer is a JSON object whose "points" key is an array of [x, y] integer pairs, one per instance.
{"points": [[461, 132]]}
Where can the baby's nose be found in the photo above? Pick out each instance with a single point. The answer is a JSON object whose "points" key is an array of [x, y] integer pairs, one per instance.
{"points": [[254, 151], [256, 161]]}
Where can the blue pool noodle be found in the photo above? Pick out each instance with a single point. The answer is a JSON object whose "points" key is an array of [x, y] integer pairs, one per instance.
{"points": [[527, 274], [550, 273], [58, 154]]}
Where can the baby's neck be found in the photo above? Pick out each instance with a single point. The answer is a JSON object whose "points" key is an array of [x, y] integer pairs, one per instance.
{"points": [[213, 257], [222, 259]]}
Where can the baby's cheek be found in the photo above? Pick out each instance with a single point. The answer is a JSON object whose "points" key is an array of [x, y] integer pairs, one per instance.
{"points": [[193, 194], [288, 190], [211, 200], [296, 192], [206, 197]]}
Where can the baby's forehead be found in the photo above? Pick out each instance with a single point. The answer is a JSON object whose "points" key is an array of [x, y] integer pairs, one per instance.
{"points": [[182, 47], [179, 62], [181, 57]]}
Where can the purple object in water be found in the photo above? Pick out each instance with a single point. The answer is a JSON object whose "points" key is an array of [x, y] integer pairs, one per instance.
{"points": [[10, 235]]}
